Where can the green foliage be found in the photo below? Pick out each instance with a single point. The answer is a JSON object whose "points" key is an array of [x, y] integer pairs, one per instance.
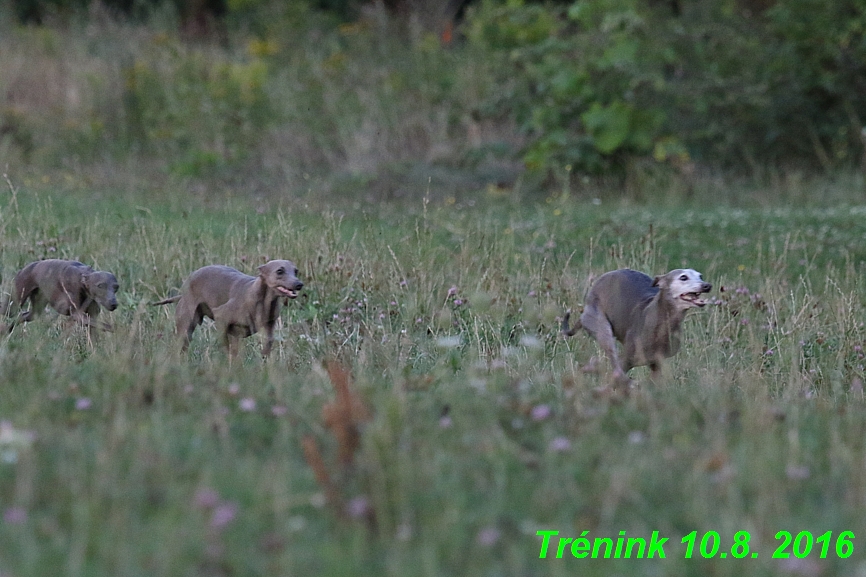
{"points": [[605, 81], [202, 112], [290, 99], [289, 94], [590, 79], [826, 69]]}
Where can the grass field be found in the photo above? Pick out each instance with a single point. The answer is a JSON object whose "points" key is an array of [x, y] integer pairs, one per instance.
{"points": [[124, 457]]}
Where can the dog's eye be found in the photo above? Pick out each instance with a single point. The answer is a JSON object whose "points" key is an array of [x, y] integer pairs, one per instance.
{"points": [[296, 272], [101, 285], [280, 271], [684, 277]]}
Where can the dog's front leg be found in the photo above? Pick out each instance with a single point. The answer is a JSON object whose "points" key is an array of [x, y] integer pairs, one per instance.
{"points": [[228, 337], [269, 340]]}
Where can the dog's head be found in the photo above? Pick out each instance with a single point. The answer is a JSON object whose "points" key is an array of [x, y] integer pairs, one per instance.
{"points": [[684, 286], [282, 276], [102, 288]]}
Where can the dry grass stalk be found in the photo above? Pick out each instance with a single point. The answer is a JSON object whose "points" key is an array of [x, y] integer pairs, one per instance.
{"points": [[344, 414], [342, 417], [314, 459]]}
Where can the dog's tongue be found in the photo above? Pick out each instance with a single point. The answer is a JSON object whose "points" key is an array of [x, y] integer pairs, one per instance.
{"points": [[694, 298]]}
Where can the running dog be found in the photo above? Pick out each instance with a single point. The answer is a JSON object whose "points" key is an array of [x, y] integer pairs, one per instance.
{"points": [[645, 314], [71, 288]]}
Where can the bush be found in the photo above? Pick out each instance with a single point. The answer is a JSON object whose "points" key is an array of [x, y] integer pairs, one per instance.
{"points": [[602, 82]]}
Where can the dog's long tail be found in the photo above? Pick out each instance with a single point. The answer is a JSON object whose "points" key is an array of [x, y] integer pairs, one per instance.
{"points": [[569, 332], [167, 301]]}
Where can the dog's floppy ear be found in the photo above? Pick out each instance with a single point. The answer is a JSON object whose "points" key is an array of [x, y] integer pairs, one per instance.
{"points": [[657, 280]]}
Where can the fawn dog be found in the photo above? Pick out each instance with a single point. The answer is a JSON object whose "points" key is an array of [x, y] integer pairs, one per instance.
{"points": [[241, 305], [71, 288]]}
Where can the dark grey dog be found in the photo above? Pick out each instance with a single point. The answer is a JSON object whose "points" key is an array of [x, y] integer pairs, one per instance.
{"points": [[241, 305], [70, 287], [644, 314]]}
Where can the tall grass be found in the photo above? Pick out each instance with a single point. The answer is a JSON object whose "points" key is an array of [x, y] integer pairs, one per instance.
{"points": [[373, 107], [485, 426]]}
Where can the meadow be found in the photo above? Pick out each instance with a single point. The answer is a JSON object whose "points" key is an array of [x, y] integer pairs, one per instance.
{"points": [[122, 456]]}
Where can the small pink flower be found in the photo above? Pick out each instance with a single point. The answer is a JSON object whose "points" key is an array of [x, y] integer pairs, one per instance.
{"points": [[279, 410], [15, 515], [83, 404], [540, 412], [801, 567], [797, 472], [560, 445], [223, 514], [358, 507], [445, 422], [488, 536], [206, 498], [458, 302], [234, 389], [452, 291], [247, 404], [531, 294]]}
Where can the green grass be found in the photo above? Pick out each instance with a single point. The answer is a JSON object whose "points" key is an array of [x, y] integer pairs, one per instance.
{"points": [[758, 426]]}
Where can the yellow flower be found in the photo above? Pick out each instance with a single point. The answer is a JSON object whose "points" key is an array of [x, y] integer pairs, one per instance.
{"points": [[259, 48]]}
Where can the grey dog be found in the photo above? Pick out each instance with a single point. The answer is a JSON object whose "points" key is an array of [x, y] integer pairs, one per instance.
{"points": [[645, 314], [69, 287], [241, 305]]}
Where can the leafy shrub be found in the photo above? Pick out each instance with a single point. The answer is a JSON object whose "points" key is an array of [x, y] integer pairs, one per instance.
{"points": [[601, 82]]}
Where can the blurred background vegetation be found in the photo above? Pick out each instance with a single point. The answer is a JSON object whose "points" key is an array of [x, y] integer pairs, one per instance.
{"points": [[384, 100]]}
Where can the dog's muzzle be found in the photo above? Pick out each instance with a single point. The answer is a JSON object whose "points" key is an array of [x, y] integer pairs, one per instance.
{"points": [[290, 292], [695, 297]]}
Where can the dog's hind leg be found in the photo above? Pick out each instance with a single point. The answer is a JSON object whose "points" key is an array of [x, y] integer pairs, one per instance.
{"points": [[596, 324], [187, 319], [37, 304]]}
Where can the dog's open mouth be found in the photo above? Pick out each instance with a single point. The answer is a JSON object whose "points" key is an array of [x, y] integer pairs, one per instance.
{"points": [[693, 299], [287, 292]]}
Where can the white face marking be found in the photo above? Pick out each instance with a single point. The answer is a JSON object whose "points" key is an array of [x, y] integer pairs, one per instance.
{"points": [[686, 285]]}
